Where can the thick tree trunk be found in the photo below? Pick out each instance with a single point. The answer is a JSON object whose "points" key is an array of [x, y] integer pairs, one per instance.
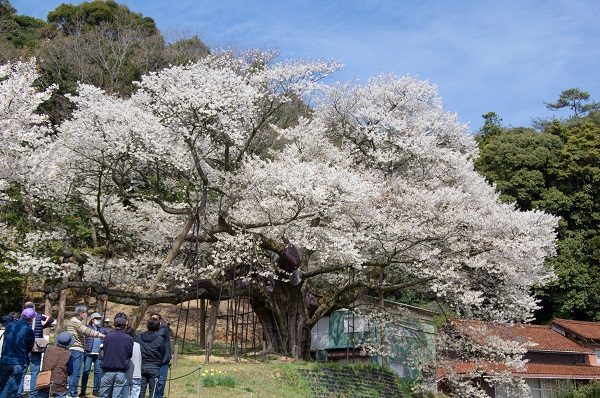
{"points": [[284, 319]]}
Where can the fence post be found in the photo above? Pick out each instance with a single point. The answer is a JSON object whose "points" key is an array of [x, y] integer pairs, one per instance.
{"points": [[176, 356]]}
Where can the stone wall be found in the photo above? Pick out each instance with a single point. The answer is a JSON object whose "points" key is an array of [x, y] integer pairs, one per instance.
{"points": [[352, 382]]}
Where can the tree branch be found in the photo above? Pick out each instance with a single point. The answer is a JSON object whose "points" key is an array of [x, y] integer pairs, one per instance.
{"points": [[203, 288]]}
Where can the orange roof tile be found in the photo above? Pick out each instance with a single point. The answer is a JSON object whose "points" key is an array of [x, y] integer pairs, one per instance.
{"points": [[537, 337], [587, 330], [466, 368], [561, 371], [538, 370]]}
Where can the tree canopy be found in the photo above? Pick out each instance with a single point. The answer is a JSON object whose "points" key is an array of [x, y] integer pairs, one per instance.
{"points": [[77, 19], [379, 179], [575, 99]]}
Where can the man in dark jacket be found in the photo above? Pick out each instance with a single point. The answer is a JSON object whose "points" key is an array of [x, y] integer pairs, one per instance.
{"points": [[118, 348], [18, 342], [165, 333], [40, 322], [152, 347]]}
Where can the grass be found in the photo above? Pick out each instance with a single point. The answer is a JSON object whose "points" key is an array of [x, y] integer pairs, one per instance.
{"points": [[243, 379], [274, 378]]}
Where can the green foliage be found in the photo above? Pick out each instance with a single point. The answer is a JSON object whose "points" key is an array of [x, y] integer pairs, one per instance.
{"points": [[98, 42], [76, 19], [517, 160], [492, 126], [575, 99], [216, 379], [591, 390], [19, 32], [10, 290], [556, 170]]}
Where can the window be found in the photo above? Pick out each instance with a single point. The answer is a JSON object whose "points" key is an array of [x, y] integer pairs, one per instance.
{"points": [[360, 324], [320, 335], [397, 367], [540, 388]]}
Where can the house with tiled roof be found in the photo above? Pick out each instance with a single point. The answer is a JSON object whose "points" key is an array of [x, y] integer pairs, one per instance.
{"points": [[586, 334], [563, 352]]}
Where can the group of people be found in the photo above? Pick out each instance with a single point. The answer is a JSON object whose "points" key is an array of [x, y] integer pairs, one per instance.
{"points": [[125, 365]]}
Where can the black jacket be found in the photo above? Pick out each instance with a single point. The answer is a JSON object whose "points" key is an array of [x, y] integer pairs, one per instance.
{"points": [[118, 349], [165, 333], [152, 347]]}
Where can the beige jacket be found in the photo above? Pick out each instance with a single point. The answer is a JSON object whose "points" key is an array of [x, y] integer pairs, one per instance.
{"points": [[79, 331]]}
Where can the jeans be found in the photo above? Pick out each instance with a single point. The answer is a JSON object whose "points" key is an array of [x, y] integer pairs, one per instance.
{"points": [[149, 377], [36, 364], [74, 378], [134, 391], [113, 384], [88, 361], [36, 361], [11, 377], [162, 380]]}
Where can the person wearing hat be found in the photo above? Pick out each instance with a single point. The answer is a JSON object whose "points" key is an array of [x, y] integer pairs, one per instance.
{"points": [[118, 349], [58, 359], [40, 322], [92, 356], [79, 330], [18, 343]]}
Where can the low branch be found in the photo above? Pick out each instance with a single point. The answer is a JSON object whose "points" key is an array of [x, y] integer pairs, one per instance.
{"points": [[324, 270], [353, 291], [288, 220], [390, 288], [203, 289]]}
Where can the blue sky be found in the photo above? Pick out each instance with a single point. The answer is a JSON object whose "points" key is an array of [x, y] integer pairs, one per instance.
{"points": [[502, 56]]}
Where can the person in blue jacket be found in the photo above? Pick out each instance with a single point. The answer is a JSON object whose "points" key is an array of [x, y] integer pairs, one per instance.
{"points": [[40, 322], [92, 356], [18, 342]]}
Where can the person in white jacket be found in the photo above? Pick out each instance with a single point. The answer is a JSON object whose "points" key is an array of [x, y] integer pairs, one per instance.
{"points": [[134, 373]]}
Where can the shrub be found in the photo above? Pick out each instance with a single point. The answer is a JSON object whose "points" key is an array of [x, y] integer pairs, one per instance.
{"points": [[591, 390], [218, 379]]}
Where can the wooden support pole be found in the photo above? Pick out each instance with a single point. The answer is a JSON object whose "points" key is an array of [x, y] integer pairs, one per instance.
{"points": [[47, 312], [101, 300], [62, 306], [176, 356], [202, 323], [212, 325]]}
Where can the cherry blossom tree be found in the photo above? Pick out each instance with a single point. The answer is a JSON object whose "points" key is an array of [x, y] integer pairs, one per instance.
{"points": [[376, 182], [21, 128]]}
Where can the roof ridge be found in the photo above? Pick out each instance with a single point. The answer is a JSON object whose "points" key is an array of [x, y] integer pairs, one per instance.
{"points": [[575, 321]]}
